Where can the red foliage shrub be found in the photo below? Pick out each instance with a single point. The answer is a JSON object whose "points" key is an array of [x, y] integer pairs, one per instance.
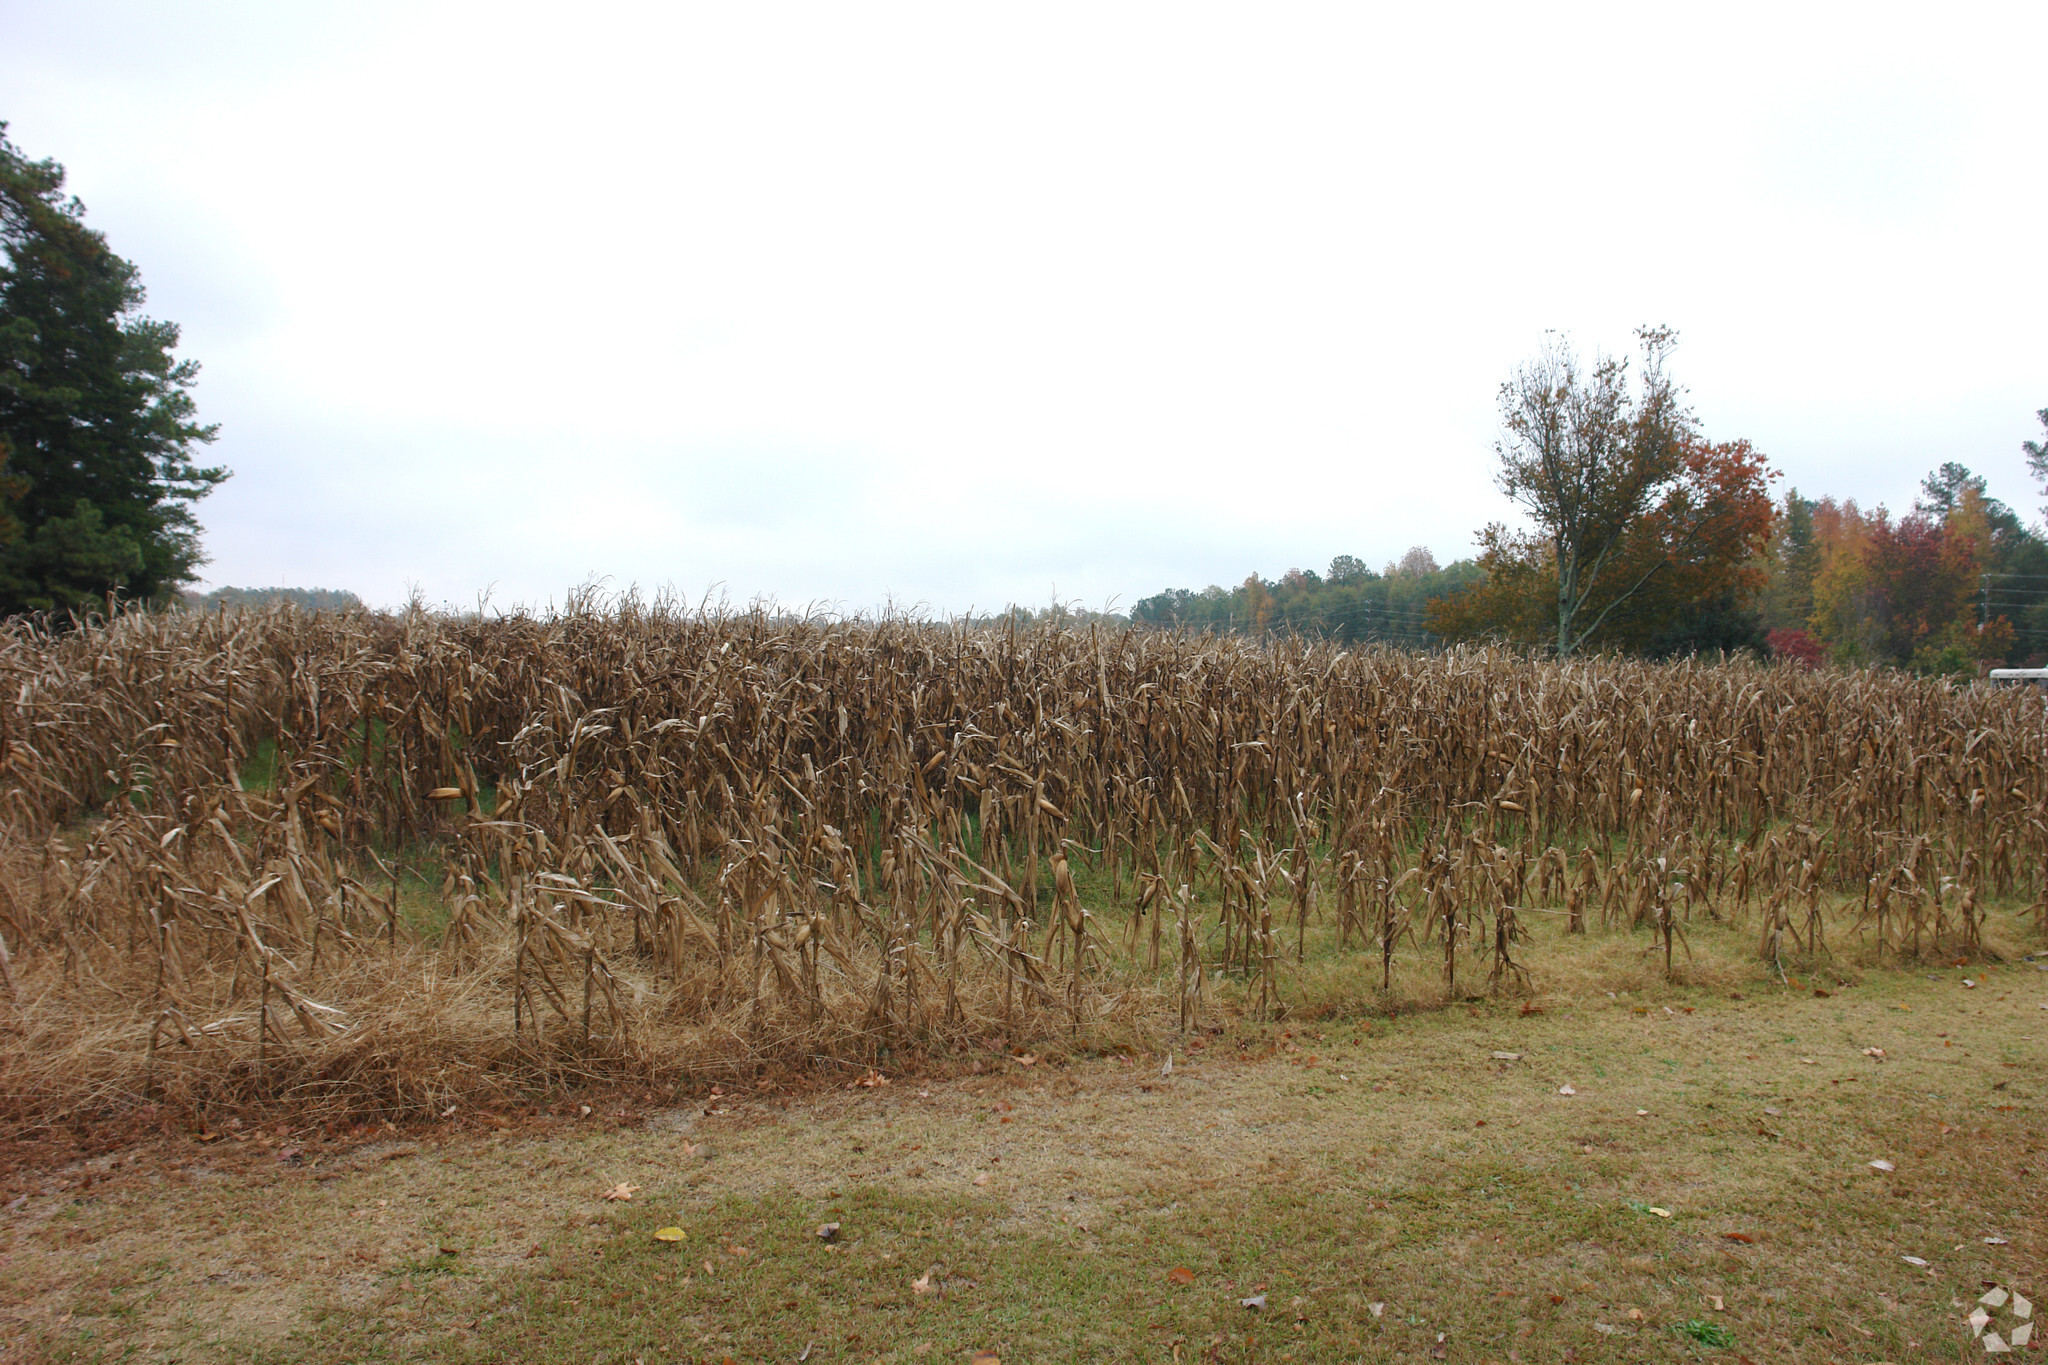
{"points": [[1795, 645]]}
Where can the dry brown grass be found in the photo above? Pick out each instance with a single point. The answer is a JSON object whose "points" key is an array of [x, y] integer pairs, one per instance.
{"points": [[666, 845], [1394, 1161]]}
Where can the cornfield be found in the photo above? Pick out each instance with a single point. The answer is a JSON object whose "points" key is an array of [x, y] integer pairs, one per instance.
{"points": [[391, 862]]}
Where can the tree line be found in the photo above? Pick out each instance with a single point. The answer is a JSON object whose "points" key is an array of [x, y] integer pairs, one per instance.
{"points": [[1645, 536], [1350, 602], [255, 599]]}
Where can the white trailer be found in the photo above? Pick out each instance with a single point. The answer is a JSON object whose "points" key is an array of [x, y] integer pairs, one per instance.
{"points": [[2018, 677]]}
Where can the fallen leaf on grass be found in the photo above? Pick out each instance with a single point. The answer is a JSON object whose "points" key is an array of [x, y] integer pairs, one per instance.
{"points": [[1715, 1299], [669, 1234], [1028, 1059], [1605, 1328], [1378, 1309], [1255, 1303], [828, 1232], [922, 1284], [621, 1192], [1915, 1261], [1661, 1213], [1566, 1090], [1876, 1052], [1882, 1165], [985, 1358], [1742, 1237], [981, 1179], [1180, 1274], [1507, 1056]]}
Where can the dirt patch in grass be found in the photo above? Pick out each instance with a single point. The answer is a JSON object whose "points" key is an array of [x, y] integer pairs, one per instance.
{"points": [[1580, 1178]]}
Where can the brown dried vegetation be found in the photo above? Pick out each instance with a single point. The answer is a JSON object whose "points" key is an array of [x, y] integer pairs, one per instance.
{"points": [[672, 844]]}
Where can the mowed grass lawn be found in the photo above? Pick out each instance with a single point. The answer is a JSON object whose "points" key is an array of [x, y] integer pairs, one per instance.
{"points": [[1664, 1173]]}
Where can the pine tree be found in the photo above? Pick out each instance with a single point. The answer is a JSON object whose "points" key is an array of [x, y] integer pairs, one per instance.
{"points": [[97, 429], [1793, 560]]}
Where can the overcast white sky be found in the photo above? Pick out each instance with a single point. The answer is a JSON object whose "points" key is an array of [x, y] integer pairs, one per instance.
{"points": [[957, 305]]}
